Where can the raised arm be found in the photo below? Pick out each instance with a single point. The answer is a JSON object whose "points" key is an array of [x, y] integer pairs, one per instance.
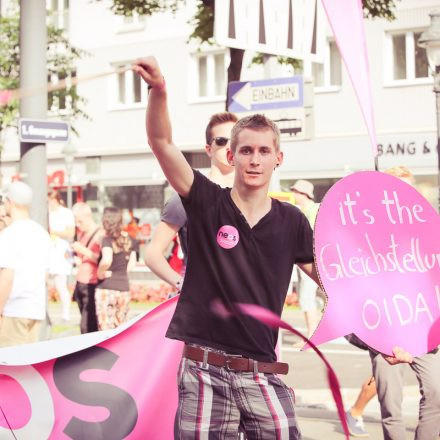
{"points": [[159, 133]]}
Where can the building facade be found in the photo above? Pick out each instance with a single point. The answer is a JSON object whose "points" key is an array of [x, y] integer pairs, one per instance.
{"points": [[114, 164]]}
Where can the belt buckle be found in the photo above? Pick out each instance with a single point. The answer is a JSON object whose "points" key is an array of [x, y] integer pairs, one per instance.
{"points": [[229, 359], [228, 363]]}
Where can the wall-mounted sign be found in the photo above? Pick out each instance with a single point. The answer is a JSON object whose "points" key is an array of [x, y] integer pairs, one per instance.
{"points": [[41, 131]]}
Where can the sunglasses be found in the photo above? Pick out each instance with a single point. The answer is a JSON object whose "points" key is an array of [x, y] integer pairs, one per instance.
{"points": [[220, 141]]}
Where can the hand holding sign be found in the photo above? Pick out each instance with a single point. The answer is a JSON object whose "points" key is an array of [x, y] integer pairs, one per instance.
{"points": [[377, 247]]}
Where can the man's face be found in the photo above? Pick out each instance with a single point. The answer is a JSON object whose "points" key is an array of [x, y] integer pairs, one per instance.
{"points": [[81, 222], [53, 204], [255, 157], [216, 152]]}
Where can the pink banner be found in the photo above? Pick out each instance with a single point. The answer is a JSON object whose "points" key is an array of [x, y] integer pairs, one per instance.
{"points": [[378, 257], [123, 387], [347, 23]]}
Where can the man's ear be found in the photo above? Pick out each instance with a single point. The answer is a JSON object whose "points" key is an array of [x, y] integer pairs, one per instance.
{"points": [[230, 157], [208, 150], [280, 157]]}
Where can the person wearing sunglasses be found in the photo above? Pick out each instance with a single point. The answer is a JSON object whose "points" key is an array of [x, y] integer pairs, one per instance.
{"points": [[173, 218]]}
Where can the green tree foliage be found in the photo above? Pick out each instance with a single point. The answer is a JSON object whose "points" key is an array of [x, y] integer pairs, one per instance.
{"points": [[61, 57], [203, 23], [379, 9], [142, 7]]}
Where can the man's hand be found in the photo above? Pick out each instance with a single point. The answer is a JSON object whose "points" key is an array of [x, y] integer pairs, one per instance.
{"points": [[148, 69], [400, 357], [78, 247], [104, 275]]}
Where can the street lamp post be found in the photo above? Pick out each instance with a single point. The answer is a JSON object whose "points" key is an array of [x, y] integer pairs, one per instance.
{"points": [[430, 40], [69, 152]]}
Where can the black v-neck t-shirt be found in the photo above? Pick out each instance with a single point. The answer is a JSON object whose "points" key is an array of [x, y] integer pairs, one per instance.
{"points": [[230, 262]]}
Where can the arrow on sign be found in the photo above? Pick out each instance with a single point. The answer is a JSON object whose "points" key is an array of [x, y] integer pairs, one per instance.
{"points": [[266, 94], [244, 96]]}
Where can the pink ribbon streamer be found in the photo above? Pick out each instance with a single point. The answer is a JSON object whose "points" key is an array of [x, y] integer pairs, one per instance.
{"points": [[272, 320]]}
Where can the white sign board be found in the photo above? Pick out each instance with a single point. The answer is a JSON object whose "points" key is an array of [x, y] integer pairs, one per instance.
{"points": [[292, 28], [280, 99]]}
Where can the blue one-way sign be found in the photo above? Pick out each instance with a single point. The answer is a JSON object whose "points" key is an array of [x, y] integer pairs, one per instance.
{"points": [[266, 94], [281, 99]]}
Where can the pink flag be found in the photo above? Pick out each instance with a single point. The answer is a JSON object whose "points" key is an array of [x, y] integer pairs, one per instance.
{"points": [[122, 387], [346, 20]]}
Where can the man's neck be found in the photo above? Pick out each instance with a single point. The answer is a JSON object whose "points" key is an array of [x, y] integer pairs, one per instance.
{"points": [[91, 228], [19, 214], [306, 204], [253, 203], [222, 178]]}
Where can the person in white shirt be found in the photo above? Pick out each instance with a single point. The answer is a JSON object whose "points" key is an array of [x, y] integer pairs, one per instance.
{"points": [[62, 231], [24, 261]]}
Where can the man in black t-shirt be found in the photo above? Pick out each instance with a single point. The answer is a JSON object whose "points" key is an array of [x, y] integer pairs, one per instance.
{"points": [[241, 249]]}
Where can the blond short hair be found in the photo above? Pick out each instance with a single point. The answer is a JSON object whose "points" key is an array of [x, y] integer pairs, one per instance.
{"points": [[255, 122]]}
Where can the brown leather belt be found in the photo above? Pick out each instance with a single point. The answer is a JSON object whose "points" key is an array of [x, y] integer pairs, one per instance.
{"points": [[233, 363]]}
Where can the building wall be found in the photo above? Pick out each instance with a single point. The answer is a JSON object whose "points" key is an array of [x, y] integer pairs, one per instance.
{"points": [[404, 113]]}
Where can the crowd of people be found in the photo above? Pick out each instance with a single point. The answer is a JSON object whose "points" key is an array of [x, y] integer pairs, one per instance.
{"points": [[238, 245], [32, 257]]}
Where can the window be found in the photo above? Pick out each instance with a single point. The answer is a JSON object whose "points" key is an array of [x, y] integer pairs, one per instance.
{"points": [[127, 88], [132, 23], [58, 13], [210, 74], [404, 59], [327, 75], [60, 101], [420, 58], [197, 160], [132, 197]]}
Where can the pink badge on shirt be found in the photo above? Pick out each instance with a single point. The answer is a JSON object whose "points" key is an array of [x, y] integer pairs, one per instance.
{"points": [[228, 237]]}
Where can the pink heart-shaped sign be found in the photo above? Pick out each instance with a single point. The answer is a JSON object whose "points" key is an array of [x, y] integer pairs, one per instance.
{"points": [[377, 248]]}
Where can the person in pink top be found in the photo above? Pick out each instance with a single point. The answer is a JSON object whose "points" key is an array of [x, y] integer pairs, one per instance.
{"points": [[87, 249]]}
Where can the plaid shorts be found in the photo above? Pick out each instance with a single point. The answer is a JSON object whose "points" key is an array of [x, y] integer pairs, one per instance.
{"points": [[216, 403]]}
